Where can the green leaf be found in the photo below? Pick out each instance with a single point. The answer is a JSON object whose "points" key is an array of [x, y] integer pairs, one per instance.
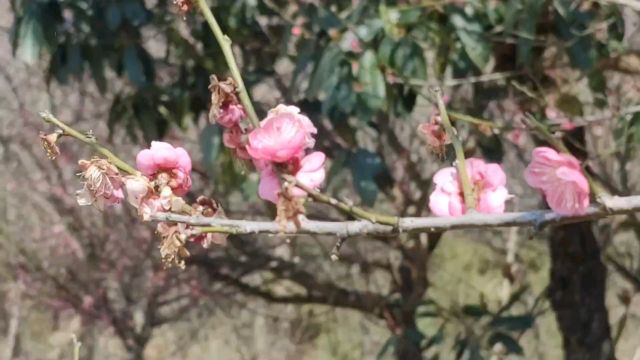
{"points": [[513, 323], [94, 57], [569, 104], [385, 50], [365, 167], [210, 145], [571, 27], [408, 60], [326, 19], [472, 36], [367, 31], [509, 342], [75, 60], [113, 15], [138, 65], [409, 15], [372, 81], [324, 76], [30, 38], [135, 12], [527, 29], [475, 310], [133, 66]]}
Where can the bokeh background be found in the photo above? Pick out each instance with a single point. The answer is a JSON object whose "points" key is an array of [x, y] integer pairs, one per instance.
{"points": [[133, 71]]}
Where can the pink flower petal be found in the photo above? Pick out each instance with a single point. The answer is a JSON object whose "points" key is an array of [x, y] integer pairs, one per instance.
{"points": [[269, 186]]}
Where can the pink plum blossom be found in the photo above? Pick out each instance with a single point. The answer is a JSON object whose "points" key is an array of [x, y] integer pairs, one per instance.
{"points": [[310, 173], [561, 180], [167, 164], [307, 124], [230, 115], [269, 187], [142, 196], [233, 139], [137, 189], [489, 186], [279, 138]]}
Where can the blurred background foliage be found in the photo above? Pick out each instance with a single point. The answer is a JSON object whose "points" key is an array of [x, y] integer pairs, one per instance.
{"points": [[362, 71]]}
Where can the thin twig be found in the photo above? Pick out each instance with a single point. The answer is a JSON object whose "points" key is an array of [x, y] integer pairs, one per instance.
{"points": [[343, 206], [69, 131], [227, 51]]}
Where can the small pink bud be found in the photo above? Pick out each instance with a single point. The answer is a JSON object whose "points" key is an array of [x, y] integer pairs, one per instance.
{"points": [[296, 31]]}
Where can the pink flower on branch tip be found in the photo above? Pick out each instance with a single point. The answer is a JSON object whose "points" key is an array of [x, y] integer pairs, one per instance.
{"points": [[561, 180], [488, 183], [282, 136], [310, 172], [164, 163], [103, 184]]}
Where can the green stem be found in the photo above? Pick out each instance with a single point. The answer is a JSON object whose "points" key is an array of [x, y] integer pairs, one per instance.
{"points": [[225, 45], [456, 116], [69, 131], [355, 211], [216, 229], [467, 189]]}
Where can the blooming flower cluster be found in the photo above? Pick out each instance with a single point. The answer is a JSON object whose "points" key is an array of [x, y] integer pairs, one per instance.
{"points": [[280, 144], [489, 188]]}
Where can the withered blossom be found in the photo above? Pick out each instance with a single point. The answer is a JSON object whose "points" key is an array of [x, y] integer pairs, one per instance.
{"points": [[184, 6], [289, 208], [435, 135], [172, 249], [223, 95], [49, 145], [103, 184], [209, 208]]}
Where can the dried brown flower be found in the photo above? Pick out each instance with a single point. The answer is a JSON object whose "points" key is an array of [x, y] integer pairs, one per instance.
{"points": [[435, 135], [183, 5], [172, 249], [103, 184], [289, 208], [49, 145], [223, 93], [210, 208]]}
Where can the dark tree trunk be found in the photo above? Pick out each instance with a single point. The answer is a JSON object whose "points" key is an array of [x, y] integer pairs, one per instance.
{"points": [[577, 292], [412, 286], [408, 347]]}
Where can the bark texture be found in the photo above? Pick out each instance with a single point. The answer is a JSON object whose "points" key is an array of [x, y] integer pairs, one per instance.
{"points": [[577, 292]]}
